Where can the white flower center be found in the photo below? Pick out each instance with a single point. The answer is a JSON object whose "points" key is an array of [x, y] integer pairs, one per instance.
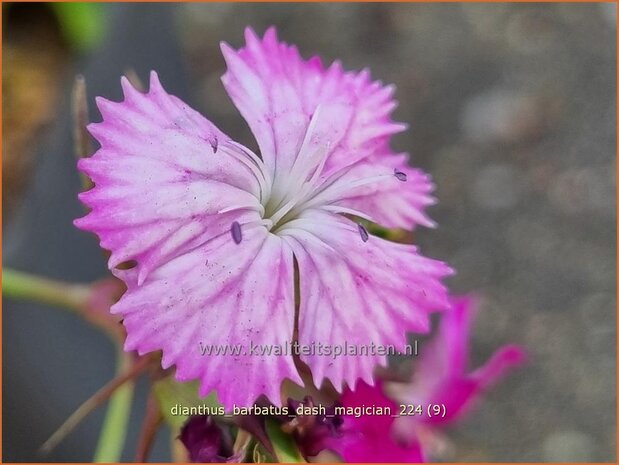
{"points": [[284, 196]]}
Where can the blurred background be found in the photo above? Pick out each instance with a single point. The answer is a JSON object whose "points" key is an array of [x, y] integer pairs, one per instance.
{"points": [[512, 109]]}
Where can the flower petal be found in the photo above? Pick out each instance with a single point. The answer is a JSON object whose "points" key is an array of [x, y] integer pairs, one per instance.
{"points": [[442, 376], [278, 92], [395, 197], [371, 438], [358, 292], [162, 175], [220, 295]]}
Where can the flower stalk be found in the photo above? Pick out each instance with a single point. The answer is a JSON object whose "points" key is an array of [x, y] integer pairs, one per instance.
{"points": [[25, 286], [77, 298], [114, 430]]}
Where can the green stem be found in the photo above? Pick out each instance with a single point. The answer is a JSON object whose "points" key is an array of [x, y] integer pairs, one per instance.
{"points": [[114, 430], [74, 297], [25, 286]]}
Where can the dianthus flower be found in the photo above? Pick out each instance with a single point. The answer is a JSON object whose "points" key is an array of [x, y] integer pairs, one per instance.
{"points": [[441, 378], [216, 233], [365, 438]]}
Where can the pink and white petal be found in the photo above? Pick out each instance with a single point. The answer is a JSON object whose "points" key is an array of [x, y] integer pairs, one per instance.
{"points": [[277, 92], [392, 201], [162, 175], [358, 292], [221, 295]]}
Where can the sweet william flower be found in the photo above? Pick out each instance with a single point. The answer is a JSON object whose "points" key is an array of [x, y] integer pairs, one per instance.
{"points": [[214, 230], [441, 377], [364, 438]]}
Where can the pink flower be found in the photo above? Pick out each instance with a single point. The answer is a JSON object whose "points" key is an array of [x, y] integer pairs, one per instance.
{"points": [[442, 375], [441, 378], [214, 230], [369, 438]]}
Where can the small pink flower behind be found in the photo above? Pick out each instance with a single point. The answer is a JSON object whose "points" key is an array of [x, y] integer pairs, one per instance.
{"points": [[370, 439], [441, 377], [214, 230]]}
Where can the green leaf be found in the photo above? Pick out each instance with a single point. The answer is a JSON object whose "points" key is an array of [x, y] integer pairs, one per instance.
{"points": [[26, 286], [82, 24], [286, 450]]}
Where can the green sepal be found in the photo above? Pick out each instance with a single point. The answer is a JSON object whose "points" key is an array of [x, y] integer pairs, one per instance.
{"points": [[286, 450]]}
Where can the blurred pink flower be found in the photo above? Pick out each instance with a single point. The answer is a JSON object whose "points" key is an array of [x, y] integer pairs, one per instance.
{"points": [[440, 378], [214, 230], [442, 375]]}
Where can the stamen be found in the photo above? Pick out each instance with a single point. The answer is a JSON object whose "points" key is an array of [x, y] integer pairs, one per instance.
{"points": [[251, 155], [350, 211], [288, 204], [258, 208], [363, 233], [321, 165], [304, 161], [235, 230], [307, 166], [299, 177], [283, 210], [251, 162], [333, 190], [399, 175]]}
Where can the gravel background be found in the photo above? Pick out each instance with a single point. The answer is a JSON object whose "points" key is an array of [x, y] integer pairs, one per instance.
{"points": [[512, 110]]}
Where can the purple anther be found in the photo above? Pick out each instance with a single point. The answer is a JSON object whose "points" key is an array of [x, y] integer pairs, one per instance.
{"points": [[399, 174], [235, 230], [363, 233]]}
